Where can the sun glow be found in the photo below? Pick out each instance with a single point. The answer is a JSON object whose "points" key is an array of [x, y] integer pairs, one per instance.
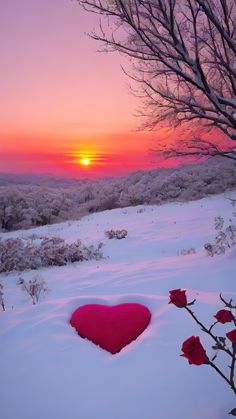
{"points": [[85, 161]]}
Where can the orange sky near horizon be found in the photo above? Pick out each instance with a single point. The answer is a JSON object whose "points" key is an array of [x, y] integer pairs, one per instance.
{"points": [[108, 154], [62, 99]]}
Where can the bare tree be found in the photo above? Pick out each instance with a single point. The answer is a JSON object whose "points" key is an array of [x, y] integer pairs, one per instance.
{"points": [[183, 60]]}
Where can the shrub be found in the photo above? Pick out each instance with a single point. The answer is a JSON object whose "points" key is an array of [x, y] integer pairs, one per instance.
{"points": [[185, 252], [225, 238], [116, 234], [35, 252], [34, 287]]}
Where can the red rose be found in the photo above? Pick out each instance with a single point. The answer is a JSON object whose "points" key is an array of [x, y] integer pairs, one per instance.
{"points": [[232, 336], [194, 351], [178, 298], [224, 316]]}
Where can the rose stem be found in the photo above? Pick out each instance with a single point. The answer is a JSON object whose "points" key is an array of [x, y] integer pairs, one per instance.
{"points": [[208, 331], [232, 367], [231, 384]]}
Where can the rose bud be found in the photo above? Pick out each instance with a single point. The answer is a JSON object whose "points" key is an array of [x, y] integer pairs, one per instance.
{"points": [[232, 336], [224, 316], [178, 298], [194, 351]]}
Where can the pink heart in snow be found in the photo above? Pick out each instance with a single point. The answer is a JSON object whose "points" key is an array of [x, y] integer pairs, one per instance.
{"points": [[111, 327]]}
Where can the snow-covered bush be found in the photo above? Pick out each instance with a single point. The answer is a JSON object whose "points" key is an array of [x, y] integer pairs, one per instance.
{"points": [[34, 252], [116, 234], [34, 287], [185, 252], [225, 238]]}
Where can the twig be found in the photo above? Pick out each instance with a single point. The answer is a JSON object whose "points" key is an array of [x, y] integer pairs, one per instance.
{"points": [[227, 303], [231, 383], [210, 328], [208, 331], [232, 368]]}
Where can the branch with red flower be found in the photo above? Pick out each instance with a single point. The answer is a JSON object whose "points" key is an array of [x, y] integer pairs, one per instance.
{"points": [[192, 348]]}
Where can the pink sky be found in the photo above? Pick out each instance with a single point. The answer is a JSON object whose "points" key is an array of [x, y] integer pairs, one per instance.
{"points": [[61, 98]]}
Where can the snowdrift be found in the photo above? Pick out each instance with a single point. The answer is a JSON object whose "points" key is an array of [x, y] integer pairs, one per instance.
{"points": [[48, 371]]}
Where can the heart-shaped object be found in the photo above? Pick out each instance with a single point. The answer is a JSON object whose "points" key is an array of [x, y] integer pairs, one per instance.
{"points": [[111, 327]]}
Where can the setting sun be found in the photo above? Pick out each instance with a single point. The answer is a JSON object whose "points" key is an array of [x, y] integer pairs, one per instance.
{"points": [[85, 161]]}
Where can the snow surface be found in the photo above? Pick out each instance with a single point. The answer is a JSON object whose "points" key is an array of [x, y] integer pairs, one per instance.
{"points": [[48, 371]]}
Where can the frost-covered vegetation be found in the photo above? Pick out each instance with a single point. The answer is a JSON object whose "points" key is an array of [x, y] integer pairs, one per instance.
{"points": [[225, 238], [116, 234], [34, 287], [25, 203], [17, 254]]}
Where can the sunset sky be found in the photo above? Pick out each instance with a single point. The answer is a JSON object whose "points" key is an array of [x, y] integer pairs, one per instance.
{"points": [[65, 108]]}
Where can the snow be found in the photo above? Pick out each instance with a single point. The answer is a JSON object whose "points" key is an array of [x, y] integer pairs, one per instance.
{"points": [[48, 371]]}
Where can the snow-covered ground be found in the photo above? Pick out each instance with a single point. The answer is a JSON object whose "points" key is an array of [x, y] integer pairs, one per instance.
{"points": [[48, 371]]}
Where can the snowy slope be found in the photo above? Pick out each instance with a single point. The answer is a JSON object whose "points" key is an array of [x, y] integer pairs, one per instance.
{"points": [[48, 371]]}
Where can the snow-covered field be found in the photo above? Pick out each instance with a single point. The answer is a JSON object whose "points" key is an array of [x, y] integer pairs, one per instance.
{"points": [[48, 371]]}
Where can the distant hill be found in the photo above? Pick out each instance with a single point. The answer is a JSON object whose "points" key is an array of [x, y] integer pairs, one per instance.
{"points": [[27, 201]]}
